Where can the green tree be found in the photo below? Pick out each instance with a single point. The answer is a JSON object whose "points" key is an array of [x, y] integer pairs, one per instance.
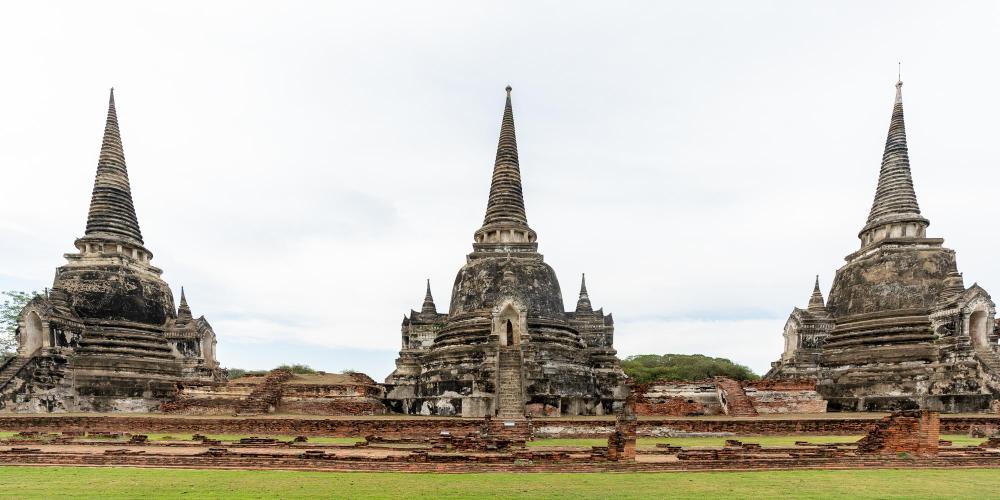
{"points": [[234, 373], [649, 367], [11, 306], [298, 369]]}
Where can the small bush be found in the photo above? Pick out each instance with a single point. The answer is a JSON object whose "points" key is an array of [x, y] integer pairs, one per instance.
{"points": [[298, 369]]}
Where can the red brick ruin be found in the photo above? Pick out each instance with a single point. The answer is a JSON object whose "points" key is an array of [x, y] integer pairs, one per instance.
{"points": [[915, 432], [905, 439], [622, 442]]}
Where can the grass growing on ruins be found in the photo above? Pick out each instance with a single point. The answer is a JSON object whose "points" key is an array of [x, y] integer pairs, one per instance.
{"points": [[220, 437], [51, 482], [237, 437], [957, 440], [767, 441]]}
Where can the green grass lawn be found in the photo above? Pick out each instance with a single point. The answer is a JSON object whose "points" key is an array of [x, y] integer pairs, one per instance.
{"points": [[774, 441], [956, 439], [109, 483], [237, 437], [221, 437]]}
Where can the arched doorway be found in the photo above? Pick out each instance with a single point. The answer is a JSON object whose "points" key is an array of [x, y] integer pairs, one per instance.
{"points": [[33, 335], [979, 328], [507, 326], [791, 340], [208, 350]]}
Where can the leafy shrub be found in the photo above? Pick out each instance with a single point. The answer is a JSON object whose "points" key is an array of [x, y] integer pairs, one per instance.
{"points": [[649, 367], [235, 373], [298, 369]]}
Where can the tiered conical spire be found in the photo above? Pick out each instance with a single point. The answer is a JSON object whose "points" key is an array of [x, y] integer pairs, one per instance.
{"points": [[111, 209], [816, 300], [583, 303], [506, 203], [428, 307], [183, 311], [895, 199]]}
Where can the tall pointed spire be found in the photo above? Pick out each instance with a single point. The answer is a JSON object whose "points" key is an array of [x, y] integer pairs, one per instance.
{"points": [[505, 227], [183, 311], [583, 303], [428, 307], [895, 200], [111, 210], [506, 203], [816, 300]]}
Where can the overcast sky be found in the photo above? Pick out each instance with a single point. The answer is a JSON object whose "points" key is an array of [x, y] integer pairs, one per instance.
{"points": [[302, 167]]}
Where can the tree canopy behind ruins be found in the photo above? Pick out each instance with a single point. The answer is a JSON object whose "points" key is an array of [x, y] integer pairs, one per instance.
{"points": [[644, 368], [13, 302]]}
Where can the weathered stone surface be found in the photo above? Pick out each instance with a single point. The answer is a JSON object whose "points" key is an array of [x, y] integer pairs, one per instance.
{"points": [[900, 329], [506, 346], [106, 337], [484, 282]]}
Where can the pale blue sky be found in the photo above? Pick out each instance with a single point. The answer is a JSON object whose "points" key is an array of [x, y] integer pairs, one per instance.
{"points": [[302, 167]]}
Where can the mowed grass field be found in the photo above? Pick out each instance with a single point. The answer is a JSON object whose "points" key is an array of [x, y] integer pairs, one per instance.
{"points": [[957, 440], [113, 483]]}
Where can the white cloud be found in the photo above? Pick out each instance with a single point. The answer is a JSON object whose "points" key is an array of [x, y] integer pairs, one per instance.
{"points": [[302, 167]]}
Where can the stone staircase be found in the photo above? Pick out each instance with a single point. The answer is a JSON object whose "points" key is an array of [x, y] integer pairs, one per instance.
{"points": [[511, 393], [989, 359], [10, 368], [734, 399], [991, 365], [266, 396]]}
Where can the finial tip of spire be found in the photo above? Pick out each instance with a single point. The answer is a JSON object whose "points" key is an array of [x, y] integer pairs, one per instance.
{"points": [[508, 89], [899, 91]]}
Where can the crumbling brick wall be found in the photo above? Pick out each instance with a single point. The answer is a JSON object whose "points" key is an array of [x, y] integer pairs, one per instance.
{"points": [[701, 397], [282, 392], [916, 432], [677, 398], [784, 396], [621, 442]]}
